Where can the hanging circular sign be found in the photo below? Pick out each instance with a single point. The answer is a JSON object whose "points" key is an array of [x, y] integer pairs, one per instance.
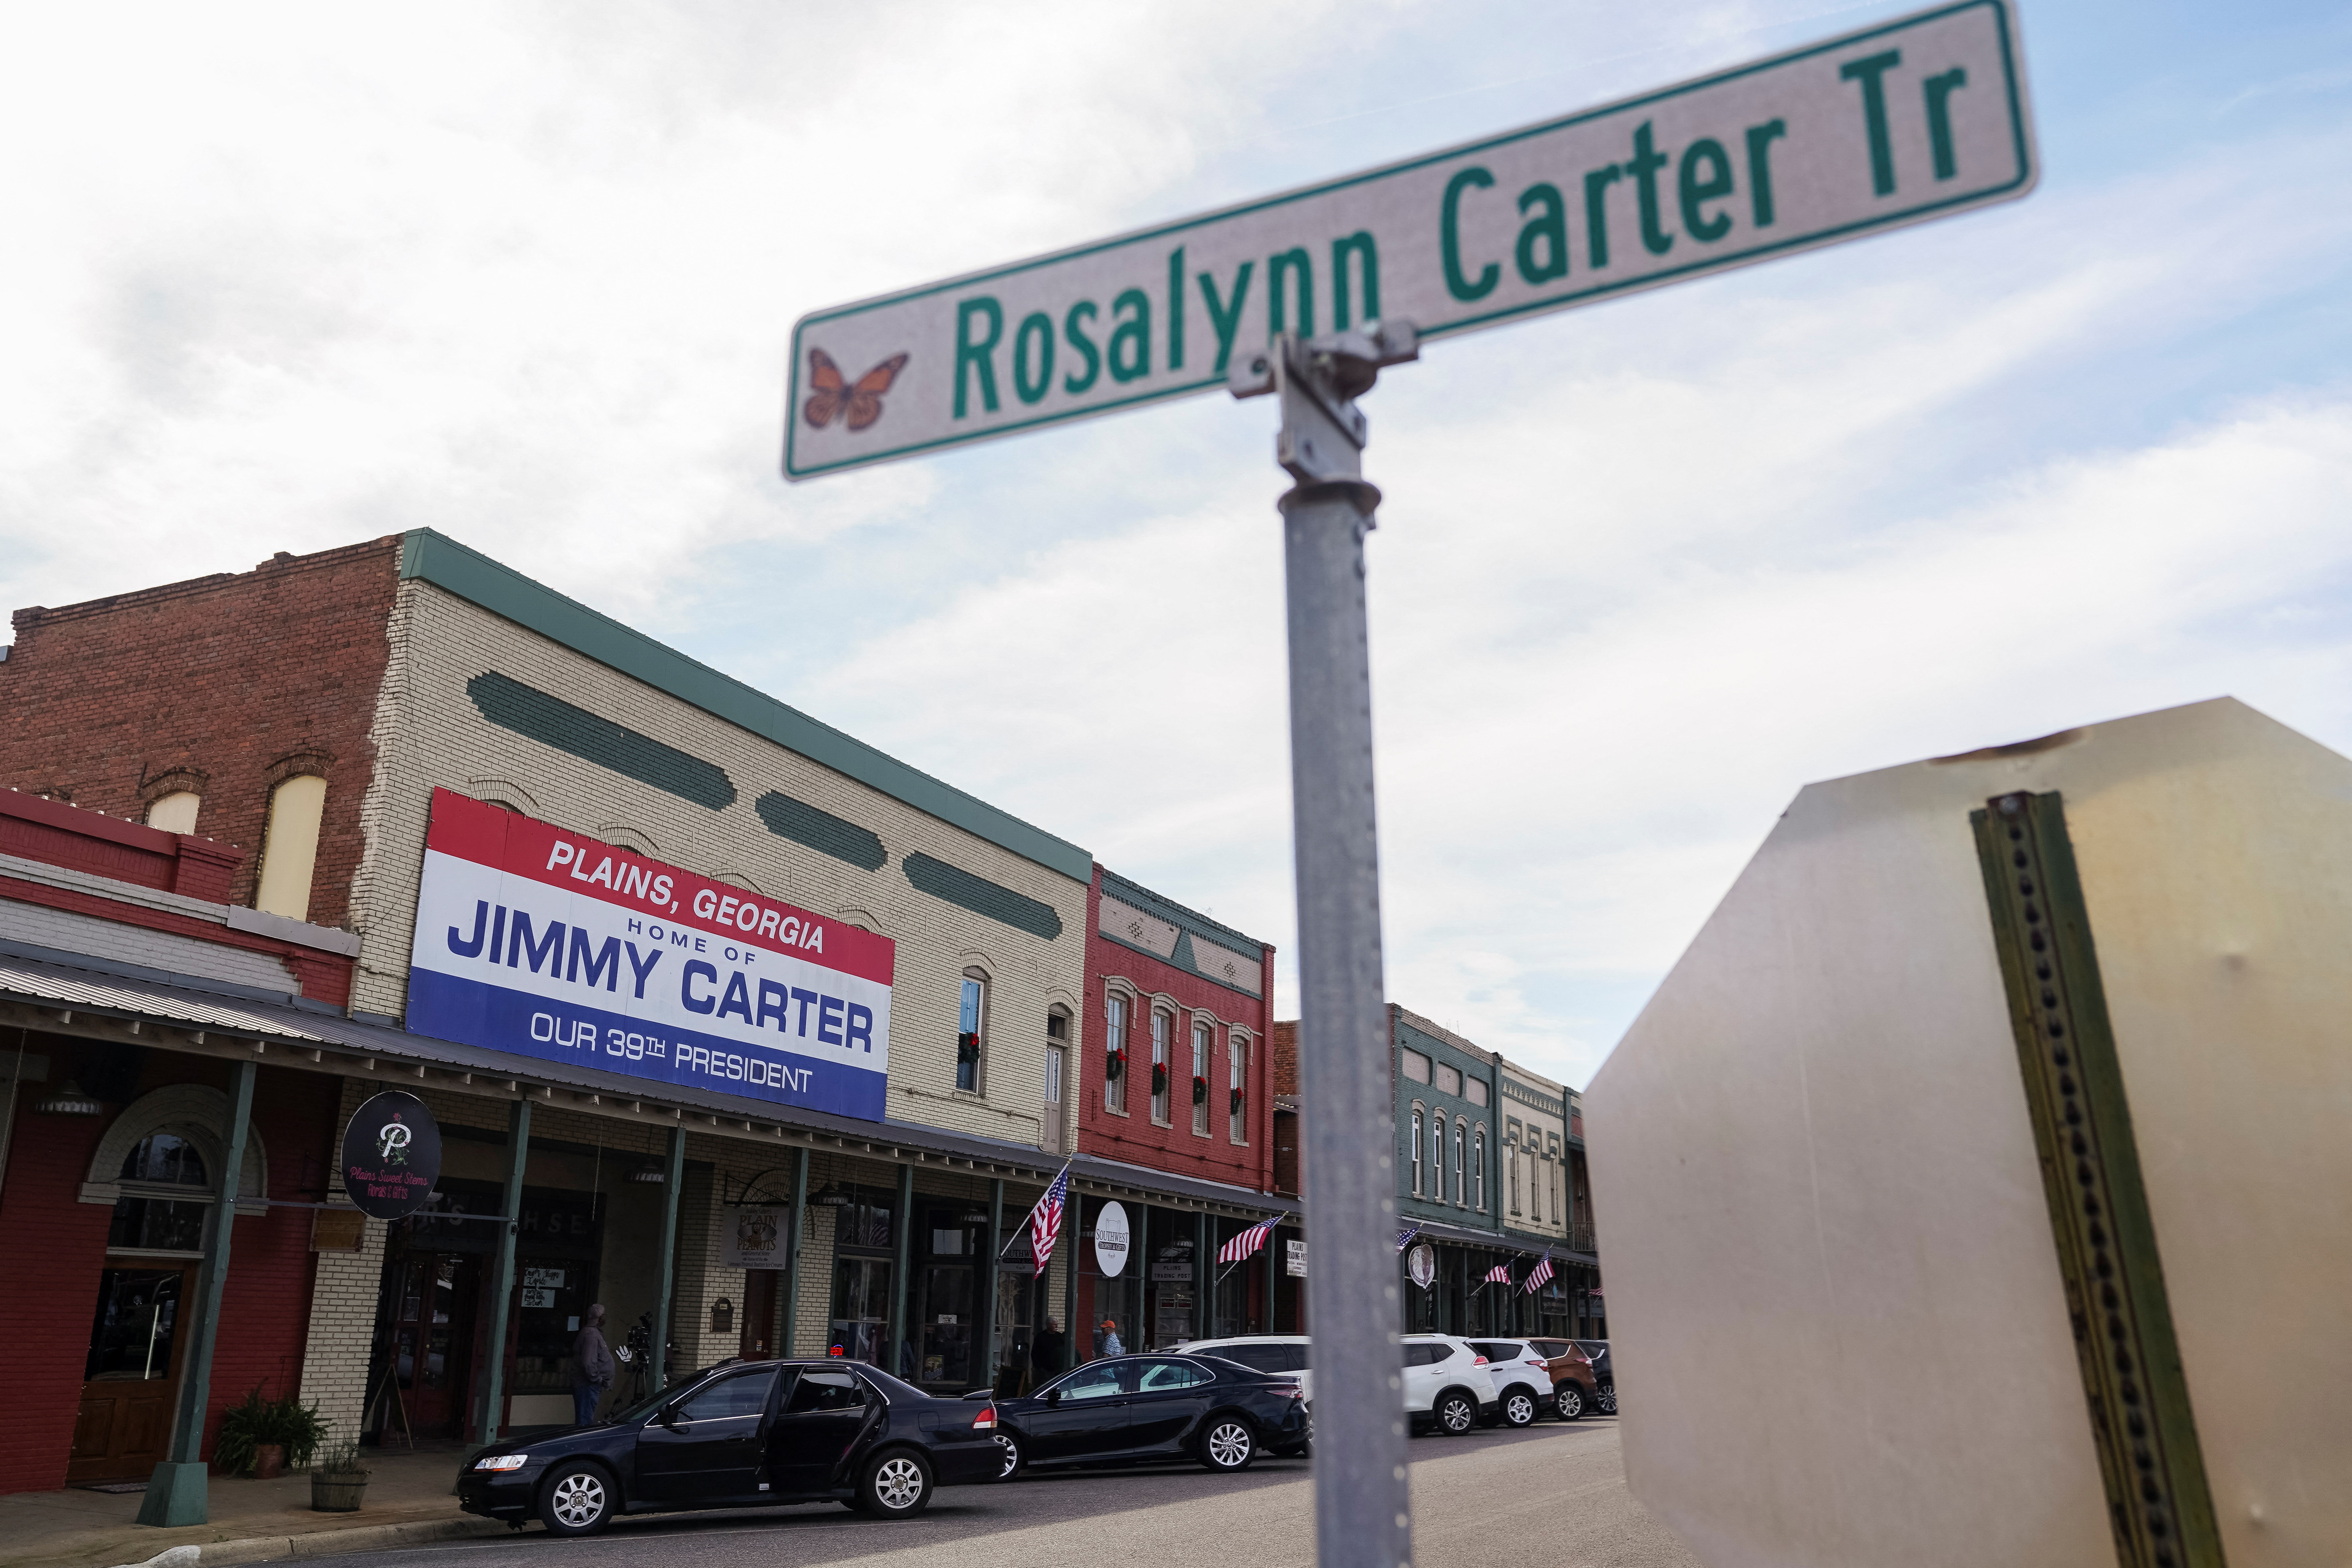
{"points": [[391, 1155], [1111, 1240], [1422, 1264]]}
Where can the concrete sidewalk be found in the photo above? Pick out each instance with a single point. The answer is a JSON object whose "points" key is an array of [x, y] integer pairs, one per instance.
{"points": [[409, 1499]]}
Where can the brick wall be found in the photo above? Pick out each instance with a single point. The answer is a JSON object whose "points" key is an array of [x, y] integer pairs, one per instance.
{"points": [[1282, 1043], [222, 685], [264, 1305], [342, 1330], [1174, 1146]]}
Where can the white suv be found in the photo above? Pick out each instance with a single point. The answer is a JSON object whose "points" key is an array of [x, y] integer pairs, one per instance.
{"points": [[1285, 1354], [1522, 1379], [1447, 1387]]}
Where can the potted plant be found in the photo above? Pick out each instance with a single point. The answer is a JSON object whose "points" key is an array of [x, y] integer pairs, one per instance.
{"points": [[339, 1481], [259, 1436]]}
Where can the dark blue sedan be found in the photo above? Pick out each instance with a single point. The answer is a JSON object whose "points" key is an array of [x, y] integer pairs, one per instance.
{"points": [[745, 1435], [1169, 1406]]}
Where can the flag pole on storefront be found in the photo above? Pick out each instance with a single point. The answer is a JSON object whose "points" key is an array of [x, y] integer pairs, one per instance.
{"points": [[1057, 1192]]}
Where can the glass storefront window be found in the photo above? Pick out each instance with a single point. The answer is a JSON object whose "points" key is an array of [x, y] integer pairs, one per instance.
{"points": [[148, 1222], [132, 1336], [861, 1308]]}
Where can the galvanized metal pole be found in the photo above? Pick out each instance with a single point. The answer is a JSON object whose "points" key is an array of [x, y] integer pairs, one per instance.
{"points": [[795, 1234], [895, 1353], [990, 1276], [1363, 1515]]}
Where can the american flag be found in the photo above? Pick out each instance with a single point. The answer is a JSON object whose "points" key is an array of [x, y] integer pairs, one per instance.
{"points": [[1499, 1275], [1407, 1234], [1045, 1219], [1540, 1274], [1246, 1244]]}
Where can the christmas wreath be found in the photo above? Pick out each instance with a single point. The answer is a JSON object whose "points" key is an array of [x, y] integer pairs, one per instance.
{"points": [[1114, 1064], [1233, 1103], [1159, 1079], [967, 1047], [1200, 1092]]}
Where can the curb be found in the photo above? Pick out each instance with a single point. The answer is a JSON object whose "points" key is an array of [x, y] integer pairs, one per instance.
{"points": [[331, 1542]]}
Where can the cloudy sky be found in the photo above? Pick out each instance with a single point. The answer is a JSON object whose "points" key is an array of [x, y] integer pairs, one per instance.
{"points": [[286, 277]]}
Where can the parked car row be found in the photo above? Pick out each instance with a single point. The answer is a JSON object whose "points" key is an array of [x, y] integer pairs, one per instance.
{"points": [[1452, 1384], [761, 1434]]}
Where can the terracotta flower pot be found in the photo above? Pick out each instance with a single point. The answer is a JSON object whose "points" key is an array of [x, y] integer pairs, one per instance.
{"points": [[269, 1461]]}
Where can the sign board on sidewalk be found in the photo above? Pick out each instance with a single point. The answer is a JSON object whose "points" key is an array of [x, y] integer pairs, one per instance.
{"points": [[545, 944], [1296, 1262], [1915, 118]]}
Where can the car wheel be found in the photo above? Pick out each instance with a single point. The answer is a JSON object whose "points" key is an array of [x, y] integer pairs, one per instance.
{"points": [[1228, 1444], [578, 1500], [1456, 1414], [1607, 1399], [1568, 1400], [896, 1485], [1010, 1448], [1519, 1408]]}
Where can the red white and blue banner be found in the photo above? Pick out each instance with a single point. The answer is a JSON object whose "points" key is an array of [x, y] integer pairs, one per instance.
{"points": [[550, 945]]}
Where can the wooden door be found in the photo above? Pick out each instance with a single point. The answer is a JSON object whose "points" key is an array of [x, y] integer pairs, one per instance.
{"points": [[432, 1339], [131, 1381], [1057, 1062], [759, 1340]]}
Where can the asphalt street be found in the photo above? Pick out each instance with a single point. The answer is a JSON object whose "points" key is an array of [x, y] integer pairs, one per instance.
{"points": [[1490, 1499]]}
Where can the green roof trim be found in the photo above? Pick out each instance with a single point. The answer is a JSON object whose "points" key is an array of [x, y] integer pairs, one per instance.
{"points": [[436, 558]]}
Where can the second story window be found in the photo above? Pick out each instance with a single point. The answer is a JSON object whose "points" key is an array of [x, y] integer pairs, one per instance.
{"points": [[1238, 1087], [1460, 1137], [1512, 1155], [1417, 1188], [1437, 1157], [1119, 1011], [1201, 1035], [1478, 1168], [290, 846], [970, 1025], [1164, 1029]]}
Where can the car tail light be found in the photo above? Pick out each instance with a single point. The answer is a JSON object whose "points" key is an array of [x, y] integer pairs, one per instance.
{"points": [[1478, 1361], [1294, 1391], [986, 1421]]}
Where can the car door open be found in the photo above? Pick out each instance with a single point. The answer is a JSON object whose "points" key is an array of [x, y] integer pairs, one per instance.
{"points": [[823, 1414]]}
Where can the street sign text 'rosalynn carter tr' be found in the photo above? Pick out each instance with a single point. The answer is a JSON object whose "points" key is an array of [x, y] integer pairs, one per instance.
{"points": [[1912, 120], [547, 943]]}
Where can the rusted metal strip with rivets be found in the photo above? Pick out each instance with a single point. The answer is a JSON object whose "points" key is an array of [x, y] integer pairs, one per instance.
{"points": [[2158, 1500]]}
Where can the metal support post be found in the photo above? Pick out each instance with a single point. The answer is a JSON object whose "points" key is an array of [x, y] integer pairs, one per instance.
{"points": [[502, 1274], [673, 1178], [991, 1277], [795, 1233], [1072, 1231], [176, 1494], [1273, 1279], [1362, 1506], [1205, 1277], [895, 1353]]}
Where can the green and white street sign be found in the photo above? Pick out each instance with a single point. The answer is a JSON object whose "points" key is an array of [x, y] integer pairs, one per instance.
{"points": [[1895, 124]]}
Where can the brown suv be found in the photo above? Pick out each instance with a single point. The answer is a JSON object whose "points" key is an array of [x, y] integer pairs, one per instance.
{"points": [[1537, 1377], [1575, 1385]]}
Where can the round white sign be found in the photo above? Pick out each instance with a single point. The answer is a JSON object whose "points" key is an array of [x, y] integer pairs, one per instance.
{"points": [[1110, 1239], [1421, 1263]]}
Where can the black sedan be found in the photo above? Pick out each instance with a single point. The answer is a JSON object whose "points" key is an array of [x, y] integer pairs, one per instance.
{"points": [[1203, 1407], [744, 1435]]}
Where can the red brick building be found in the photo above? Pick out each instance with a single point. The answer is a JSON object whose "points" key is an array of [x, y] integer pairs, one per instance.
{"points": [[1180, 1082], [106, 1149]]}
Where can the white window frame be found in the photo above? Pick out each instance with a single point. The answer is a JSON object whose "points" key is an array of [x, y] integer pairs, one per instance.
{"points": [[1205, 1048], [1237, 1068], [973, 975], [1418, 1117], [1118, 1026], [1163, 1046]]}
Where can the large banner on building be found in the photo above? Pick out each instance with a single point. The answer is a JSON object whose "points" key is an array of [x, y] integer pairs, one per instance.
{"points": [[550, 945]]}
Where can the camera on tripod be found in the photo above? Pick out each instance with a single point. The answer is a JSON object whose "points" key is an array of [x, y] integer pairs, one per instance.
{"points": [[640, 1339]]}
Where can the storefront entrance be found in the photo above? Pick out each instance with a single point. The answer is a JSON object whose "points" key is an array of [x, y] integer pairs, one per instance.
{"points": [[946, 1305], [433, 1340], [131, 1381]]}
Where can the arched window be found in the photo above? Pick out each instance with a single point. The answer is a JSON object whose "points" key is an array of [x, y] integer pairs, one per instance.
{"points": [[290, 848], [1416, 1152], [158, 1164], [1478, 1168], [1197, 1089], [1437, 1157], [166, 1190], [1460, 1136], [971, 1030], [1119, 1011], [175, 812], [1163, 1031], [1511, 1153]]}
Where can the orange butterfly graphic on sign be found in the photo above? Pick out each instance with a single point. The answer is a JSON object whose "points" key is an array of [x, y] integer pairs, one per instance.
{"points": [[834, 393]]}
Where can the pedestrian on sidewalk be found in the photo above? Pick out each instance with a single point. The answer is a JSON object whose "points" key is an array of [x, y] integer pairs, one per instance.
{"points": [[1110, 1345], [592, 1368], [1045, 1355]]}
